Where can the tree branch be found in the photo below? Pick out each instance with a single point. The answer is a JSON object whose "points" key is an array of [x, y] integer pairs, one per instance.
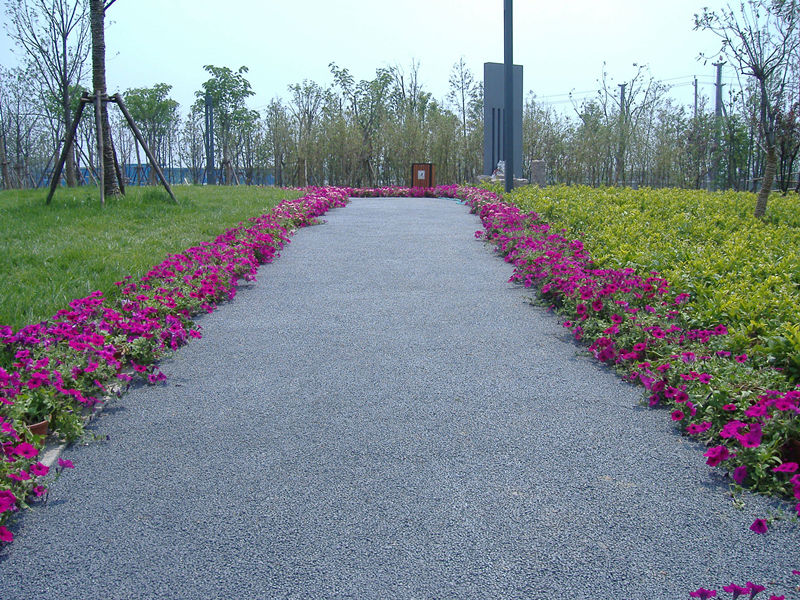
{"points": [[108, 4]]}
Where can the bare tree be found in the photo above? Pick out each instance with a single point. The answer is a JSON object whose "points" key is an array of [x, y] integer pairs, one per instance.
{"points": [[760, 39], [278, 139], [463, 96], [306, 106], [55, 37], [20, 118], [192, 149]]}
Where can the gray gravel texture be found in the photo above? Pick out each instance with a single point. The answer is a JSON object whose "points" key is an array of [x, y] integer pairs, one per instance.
{"points": [[382, 415]]}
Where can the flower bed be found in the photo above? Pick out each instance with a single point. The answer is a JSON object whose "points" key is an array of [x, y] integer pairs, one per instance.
{"points": [[746, 412], [63, 368]]}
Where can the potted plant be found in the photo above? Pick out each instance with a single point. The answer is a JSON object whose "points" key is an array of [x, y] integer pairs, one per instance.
{"points": [[34, 408]]}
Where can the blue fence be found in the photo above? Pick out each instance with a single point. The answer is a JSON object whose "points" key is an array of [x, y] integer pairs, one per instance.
{"points": [[141, 176]]}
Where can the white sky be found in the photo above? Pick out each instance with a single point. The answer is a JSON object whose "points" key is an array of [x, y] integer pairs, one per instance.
{"points": [[561, 44]]}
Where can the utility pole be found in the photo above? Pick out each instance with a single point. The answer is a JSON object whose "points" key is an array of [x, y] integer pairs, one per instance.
{"points": [[619, 175], [508, 141], [210, 175], [696, 140], [717, 127]]}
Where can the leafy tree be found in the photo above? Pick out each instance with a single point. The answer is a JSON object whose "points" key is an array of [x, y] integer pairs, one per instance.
{"points": [[408, 138], [228, 91], [278, 137], [760, 38], [306, 107], [367, 111], [545, 136], [156, 115], [248, 139]]}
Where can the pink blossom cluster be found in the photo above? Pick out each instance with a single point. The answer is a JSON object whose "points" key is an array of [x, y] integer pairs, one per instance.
{"points": [[442, 191]]}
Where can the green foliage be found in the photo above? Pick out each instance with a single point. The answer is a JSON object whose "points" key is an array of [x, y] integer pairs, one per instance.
{"points": [[783, 350], [52, 254], [155, 113], [228, 89], [739, 270]]}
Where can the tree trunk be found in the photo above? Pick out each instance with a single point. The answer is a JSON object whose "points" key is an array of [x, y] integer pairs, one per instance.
{"points": [[766, 184], [4, 160], [70, 166], [111, 187]]}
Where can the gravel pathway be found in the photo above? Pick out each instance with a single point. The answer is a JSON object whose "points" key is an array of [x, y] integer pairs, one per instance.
{"points": [[382, 415]]}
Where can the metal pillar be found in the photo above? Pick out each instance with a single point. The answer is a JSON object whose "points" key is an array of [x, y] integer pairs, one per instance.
{"points": [[210, 175], [717, 128], [508, 149]]}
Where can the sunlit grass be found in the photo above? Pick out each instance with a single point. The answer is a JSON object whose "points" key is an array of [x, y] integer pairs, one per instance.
{"points": [[50, 255]]}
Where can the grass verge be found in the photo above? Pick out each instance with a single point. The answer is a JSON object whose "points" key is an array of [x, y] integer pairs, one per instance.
{"points": [[50, 255]]}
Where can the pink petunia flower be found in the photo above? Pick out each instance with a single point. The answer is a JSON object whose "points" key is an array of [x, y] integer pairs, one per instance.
{"points": [[8, 501], [716, 455], [5, 534], [758, 526], [740, 474], [23, 475], [736, 590], [39, 469], [703, 593], [787, 467], [696, 429], [26, 450], [752, 439], [65, 463]]}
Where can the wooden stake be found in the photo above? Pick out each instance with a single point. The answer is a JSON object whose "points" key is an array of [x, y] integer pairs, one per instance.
{"points": [[117, 169], [67, 147]]}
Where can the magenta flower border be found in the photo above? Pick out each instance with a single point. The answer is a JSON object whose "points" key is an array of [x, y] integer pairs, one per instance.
{"points": [[78, 354], [628, 320]]}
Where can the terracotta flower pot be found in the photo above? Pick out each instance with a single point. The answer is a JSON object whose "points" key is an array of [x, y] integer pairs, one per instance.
{"points": [[39, 428]]}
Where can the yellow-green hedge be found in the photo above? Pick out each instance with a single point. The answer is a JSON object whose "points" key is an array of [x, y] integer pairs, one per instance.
{"points": [[739, 270]]}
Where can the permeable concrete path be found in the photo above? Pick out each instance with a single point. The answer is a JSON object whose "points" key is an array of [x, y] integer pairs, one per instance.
{"points": [[383, 416]]}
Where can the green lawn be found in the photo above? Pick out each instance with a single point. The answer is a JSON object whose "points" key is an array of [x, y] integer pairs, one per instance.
{"points": [[52, 254]]}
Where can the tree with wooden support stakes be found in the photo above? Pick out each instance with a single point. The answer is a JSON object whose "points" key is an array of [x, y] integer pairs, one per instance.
{"points": [[111, 181]]}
